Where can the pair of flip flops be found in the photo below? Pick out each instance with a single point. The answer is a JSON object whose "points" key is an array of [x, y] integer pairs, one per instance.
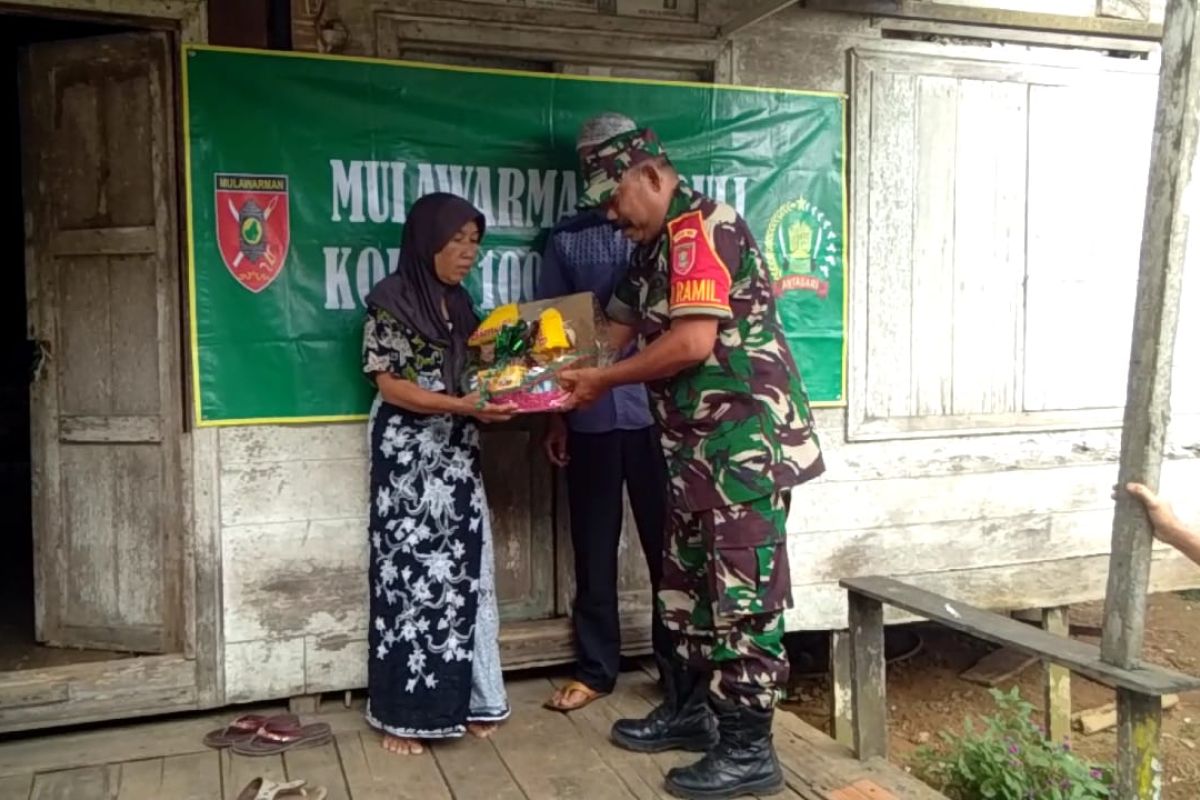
{"points": [[258, 735], [263, 789]]}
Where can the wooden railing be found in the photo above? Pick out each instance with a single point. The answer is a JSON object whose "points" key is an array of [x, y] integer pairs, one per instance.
{"points": [[1139, 691]]}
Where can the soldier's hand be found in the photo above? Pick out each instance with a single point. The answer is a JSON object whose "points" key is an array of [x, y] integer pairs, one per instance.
{"points": [[585, 385]]}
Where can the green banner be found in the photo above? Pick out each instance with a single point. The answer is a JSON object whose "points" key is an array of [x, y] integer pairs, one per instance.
{"points": [[301, 169]]}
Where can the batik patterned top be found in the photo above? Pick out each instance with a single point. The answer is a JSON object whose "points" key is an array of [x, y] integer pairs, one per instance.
{"points": [[391, 347]]}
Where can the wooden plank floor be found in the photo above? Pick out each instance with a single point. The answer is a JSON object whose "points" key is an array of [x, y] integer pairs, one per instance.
{"points": [[537, 755]]}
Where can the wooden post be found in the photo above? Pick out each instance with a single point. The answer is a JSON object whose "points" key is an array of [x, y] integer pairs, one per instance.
{"points": [[867, 677], [841, 708], [1139, 764], [1160, 277], [1057, 680], [305, 704]]}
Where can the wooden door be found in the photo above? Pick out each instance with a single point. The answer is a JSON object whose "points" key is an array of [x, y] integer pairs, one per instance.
{"points": [[98, 130], [520, 488], [518, 478], [633, 579]]}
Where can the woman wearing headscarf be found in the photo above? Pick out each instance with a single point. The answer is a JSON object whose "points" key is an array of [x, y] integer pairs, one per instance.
{"points": [[434, 662]]}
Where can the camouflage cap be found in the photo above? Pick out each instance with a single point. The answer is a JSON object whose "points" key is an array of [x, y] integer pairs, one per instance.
{"points": [[605, 163]]}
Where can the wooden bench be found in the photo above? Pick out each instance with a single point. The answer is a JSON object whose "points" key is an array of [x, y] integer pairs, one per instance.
{"points": [[1139, 690]]}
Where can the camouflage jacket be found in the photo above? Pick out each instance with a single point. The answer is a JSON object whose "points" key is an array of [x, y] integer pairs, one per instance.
{"points": [[737, 426]]}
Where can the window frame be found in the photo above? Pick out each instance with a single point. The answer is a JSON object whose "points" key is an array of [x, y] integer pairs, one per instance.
{"points": [[865, 64], [612, 43]]}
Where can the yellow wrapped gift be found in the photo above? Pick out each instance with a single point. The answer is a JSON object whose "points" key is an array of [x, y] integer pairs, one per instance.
{"points": [[490, 327], [552, 337]]}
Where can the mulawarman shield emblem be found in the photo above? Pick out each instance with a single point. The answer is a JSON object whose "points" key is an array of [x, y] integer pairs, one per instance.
{"points": [[252, 226]]}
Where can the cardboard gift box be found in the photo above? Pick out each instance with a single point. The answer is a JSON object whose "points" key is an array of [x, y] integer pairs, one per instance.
{"points": [[519, 351]]}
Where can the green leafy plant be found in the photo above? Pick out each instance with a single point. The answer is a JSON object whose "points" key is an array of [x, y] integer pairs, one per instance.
{"points": [[1009, 759]]}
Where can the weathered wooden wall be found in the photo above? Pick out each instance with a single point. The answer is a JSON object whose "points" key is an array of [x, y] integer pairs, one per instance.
{"points": [[1014, 518]]}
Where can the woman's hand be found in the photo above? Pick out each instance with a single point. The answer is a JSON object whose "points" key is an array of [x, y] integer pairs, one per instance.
{"points": [[487, 412]]}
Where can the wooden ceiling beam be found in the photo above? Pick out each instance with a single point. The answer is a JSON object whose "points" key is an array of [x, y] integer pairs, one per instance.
{"points": [[753, 13]]}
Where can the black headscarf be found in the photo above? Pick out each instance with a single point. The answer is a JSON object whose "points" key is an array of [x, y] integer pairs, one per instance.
{"points": [[413, 294]]}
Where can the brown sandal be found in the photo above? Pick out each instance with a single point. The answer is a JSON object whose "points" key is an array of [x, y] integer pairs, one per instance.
{"points": [[279, 737], [243, 729], [590, 695]]}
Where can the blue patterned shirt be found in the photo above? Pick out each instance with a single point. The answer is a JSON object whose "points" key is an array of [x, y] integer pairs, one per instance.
{"points": [[585, 253]]}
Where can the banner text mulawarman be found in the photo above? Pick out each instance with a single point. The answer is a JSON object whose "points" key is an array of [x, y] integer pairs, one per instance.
{"points": [[251, 183], [379, 192]]}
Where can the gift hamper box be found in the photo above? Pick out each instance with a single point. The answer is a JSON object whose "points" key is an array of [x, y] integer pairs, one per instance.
{"points": [[519, 351]]}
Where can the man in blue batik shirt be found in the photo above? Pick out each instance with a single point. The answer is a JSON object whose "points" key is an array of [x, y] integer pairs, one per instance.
{"points": [[609, 446]]}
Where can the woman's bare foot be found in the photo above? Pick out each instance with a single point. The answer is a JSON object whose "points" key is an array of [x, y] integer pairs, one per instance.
{"points": [[402, 747], [482, 730]]}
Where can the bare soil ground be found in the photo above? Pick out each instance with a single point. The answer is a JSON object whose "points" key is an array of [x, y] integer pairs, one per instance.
{"points": [[926, 695]]}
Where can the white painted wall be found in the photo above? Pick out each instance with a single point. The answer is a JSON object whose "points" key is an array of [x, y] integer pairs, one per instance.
{"points": [[294, 541]]}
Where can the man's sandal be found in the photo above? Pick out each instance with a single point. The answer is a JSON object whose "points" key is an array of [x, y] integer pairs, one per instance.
{"points": [[558, 701]]}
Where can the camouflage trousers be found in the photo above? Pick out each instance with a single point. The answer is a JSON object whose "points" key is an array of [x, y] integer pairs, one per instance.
{"points": [[725, 585]]}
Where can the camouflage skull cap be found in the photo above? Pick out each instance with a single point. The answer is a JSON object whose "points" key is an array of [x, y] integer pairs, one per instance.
{"points": [[607, 162]]}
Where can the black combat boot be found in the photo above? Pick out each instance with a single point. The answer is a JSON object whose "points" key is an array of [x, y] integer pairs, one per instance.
{"points": [[742, 763], [683, 721]]}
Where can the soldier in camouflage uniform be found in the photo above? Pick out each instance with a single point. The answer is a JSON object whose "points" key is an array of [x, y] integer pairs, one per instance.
{"points": [[737, 433]]}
